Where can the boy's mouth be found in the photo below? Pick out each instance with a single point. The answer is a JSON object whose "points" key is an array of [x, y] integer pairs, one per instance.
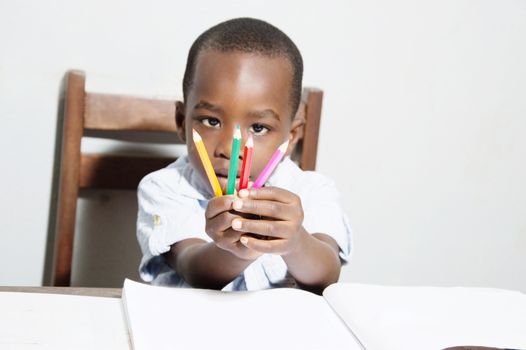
{"points": [[222, 177], [222, 174]]}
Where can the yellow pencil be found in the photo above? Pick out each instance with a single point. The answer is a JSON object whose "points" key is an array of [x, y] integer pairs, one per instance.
{"points": [[207, 164]]}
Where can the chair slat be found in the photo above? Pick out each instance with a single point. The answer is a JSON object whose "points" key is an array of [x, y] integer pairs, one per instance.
{"points": [[67, 199], [313, 102], [121, 112], [117, 172]]}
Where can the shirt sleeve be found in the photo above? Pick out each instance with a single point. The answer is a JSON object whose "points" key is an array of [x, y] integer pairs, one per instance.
{"points": [[164, 218], [323, 214]]}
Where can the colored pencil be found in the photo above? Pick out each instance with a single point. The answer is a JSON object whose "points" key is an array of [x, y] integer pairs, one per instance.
{"points": [[234, 158], [210, 173], [247, 162], [271, 165]]}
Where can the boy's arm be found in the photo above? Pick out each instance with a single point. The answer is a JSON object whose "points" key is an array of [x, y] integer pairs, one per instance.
{"points": [[315, 264], [212, 265], [203, 264], [313, 260]]}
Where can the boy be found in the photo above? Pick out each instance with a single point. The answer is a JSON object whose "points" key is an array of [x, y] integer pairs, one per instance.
{"points": [[290, 233]]}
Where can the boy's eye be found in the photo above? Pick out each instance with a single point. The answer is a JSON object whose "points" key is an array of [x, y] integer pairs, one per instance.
{"points": [[258, 129], [211, 122]]}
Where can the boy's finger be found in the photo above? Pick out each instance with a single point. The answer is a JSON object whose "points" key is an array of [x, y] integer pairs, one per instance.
{"points": [[275, 229], [218, 205], [270, 193], [231, 236], [264, 246], [246, 252], [270, 209], [220, 223]]}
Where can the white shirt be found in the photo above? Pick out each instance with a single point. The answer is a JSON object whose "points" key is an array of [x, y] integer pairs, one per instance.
{"points": [[172, 204]]}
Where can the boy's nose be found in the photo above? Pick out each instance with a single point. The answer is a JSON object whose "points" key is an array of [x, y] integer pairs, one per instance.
{"points": [[224, 145], [223, 148]]}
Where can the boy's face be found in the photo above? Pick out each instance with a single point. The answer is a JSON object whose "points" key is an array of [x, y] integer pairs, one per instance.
{"points": [[231, 88]]}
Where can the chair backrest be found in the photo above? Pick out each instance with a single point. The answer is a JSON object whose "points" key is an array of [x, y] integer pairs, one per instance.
{"points": [[123, 118]]}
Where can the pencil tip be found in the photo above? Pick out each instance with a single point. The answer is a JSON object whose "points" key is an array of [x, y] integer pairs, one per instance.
{"points": [[250, 141], [284, 146], [196, 135], [237, 132]]}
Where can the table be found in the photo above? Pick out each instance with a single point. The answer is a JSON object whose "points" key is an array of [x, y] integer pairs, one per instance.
{"points": [[86, 291], [62, 318]]}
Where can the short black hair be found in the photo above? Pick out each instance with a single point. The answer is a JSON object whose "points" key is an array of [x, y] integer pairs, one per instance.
{"points": [[247, 35]]}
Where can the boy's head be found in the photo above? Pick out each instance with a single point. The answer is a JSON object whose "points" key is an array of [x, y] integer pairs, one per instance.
{"points": [[241, 72], [247, 35]]}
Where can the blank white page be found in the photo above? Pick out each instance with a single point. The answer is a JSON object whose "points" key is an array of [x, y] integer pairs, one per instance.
{"points": [[431, 317], [169, 318], [52, 321]]}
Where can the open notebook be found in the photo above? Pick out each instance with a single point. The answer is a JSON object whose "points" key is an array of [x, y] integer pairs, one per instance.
{"points": [[348, 316]]}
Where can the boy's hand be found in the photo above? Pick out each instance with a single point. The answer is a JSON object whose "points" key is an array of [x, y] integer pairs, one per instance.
{"points": [[281, 220], [219, 216]]}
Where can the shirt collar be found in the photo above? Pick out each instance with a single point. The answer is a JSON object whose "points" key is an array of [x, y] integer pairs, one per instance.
{"points": [[284, 174], [193, 186], [190, 183]]}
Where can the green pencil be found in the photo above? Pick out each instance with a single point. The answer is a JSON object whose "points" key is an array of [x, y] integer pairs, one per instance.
{"points": [[234, 157]]}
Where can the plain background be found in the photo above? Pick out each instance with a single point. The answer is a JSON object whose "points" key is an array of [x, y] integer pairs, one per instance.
{"points": [[423, 128]]}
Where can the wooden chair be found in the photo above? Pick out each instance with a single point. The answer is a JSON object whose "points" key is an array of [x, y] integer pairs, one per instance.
{"points": [[123, 118]]}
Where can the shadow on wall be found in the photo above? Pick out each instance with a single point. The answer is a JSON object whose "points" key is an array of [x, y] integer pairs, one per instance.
{"points": [[105, 248]]}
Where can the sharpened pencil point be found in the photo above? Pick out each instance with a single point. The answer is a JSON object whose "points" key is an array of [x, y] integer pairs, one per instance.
{"points": [[250, 142], [196, 136], [284, 146], [237, 132]]}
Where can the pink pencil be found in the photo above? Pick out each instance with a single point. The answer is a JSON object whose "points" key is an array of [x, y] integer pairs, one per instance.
{"points": [[271, 165]]}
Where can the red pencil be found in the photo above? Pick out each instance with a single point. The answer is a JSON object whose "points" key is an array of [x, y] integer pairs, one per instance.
{"points": [[247, 161]]}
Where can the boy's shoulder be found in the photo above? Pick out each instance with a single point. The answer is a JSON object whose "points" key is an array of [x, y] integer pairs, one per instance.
{"points": [[291, 177], [178, 178], [167, 175]]}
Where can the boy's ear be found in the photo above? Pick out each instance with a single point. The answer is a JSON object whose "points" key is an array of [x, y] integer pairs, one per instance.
{"points": [[180, 120], [296, 131]]}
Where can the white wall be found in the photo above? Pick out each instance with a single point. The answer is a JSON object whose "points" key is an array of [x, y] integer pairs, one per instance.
{"points": [[427, 99]]}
